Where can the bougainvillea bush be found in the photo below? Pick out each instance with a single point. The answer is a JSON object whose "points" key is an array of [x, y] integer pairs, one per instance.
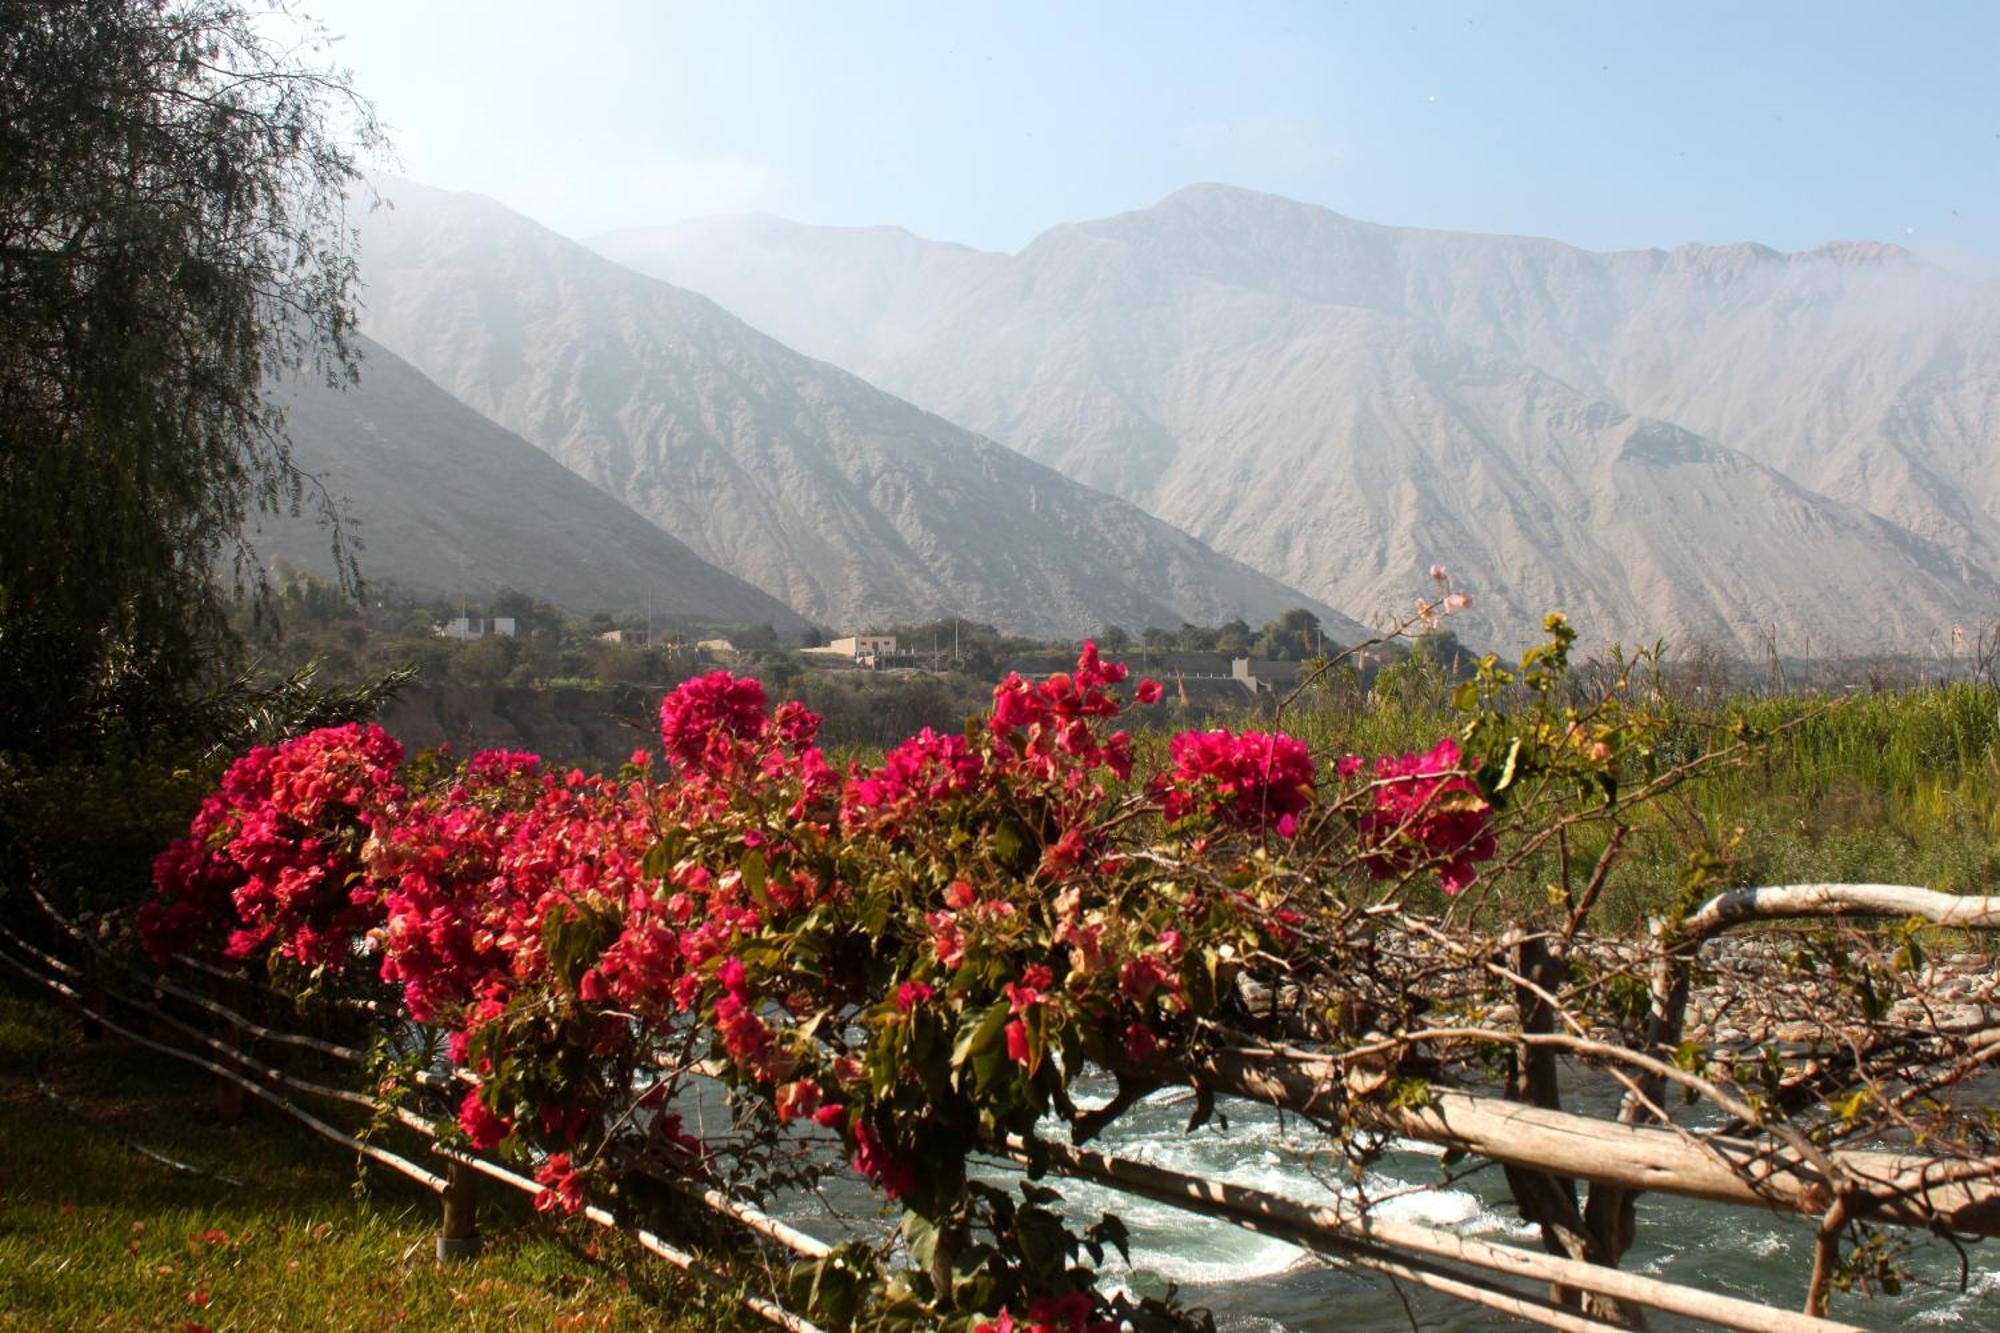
{"points": [[915, 959]]}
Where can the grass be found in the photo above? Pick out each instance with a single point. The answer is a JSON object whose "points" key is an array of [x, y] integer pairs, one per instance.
{"points": [[1893, 787], [96, 1235]]}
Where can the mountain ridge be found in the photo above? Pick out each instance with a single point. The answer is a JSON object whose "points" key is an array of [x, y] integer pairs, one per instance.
{"points": [[445, 502], [850, 505], [1155, 350]]}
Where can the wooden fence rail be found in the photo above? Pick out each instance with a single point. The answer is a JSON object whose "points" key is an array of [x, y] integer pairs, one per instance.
{"points": [[1961, 1195]]}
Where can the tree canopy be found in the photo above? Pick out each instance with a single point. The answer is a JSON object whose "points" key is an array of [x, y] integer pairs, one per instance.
{"points": [[174, 184]]}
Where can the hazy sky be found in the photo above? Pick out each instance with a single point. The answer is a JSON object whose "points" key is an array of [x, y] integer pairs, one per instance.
{"points": [[1596, 123]]}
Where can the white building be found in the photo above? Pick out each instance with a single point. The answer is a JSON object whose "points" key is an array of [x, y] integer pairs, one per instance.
{"points": [[862, 649], [477, 627]]}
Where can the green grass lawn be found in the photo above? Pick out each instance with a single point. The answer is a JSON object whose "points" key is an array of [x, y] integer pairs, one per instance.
{"points": [[94, 1234]]}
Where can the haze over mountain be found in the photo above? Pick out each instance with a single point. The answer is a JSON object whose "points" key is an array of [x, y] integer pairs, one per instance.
{"points": [[850, 505], [1710, 443], [446, 503]]}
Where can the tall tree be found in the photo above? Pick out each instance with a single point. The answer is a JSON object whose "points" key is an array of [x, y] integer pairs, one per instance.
{"points": [[174, 186]]}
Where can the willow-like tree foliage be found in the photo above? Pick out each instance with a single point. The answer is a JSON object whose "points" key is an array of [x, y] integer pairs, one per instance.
{"points": [[174, 186]]}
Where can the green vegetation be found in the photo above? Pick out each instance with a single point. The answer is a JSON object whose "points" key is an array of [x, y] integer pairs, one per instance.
{"points": [[1894, 786], [173, 196], [308, 622], [273, 1228], [1894, 781]]}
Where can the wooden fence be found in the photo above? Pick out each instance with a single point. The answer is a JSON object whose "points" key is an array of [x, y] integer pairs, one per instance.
{"points": [[190, 1015]]}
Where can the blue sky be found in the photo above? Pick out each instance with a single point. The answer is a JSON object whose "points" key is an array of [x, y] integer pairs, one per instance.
{"points": [[1605, 124]]}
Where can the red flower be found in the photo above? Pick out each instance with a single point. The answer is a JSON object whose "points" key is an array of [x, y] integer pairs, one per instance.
{"points": [[1018, 1048], [1068, 1313], [496, 768], [947, 940], [798, 726], [1253, 781], [705, 721], [1427, 812], [797, 1100], [896, 1176], [1149, 692], [481, 1124], [563, 1190], [925, 769]]}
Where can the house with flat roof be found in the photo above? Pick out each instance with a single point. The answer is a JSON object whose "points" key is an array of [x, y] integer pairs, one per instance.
{"points": [[866, 650], [477, 627]]}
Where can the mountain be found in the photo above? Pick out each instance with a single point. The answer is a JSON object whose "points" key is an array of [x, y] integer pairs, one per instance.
{"points": [[1713, 443], [444, 502], [852, 506]]}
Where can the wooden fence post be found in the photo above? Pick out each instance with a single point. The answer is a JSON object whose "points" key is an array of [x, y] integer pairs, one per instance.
{"points": [[459, 1238]]}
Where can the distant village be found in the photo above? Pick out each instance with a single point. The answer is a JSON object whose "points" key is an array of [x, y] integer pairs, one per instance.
{"points": [[1208, 679]]}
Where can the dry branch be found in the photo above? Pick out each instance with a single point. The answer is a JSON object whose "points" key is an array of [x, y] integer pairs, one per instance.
{"points": [[1324, 1227], [1778, 902], [1903, 1188]]}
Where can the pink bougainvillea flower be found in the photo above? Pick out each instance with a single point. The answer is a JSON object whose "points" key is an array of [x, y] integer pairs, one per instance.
{"points": [[1019, 1047], [1426, 812], [485, 1128], [1252, 781], [797, 1099], [705, 721], [561, 1189]]}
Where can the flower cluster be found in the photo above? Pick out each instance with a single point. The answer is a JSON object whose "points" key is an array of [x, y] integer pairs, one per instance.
{"points": [[1254, 781], [913, 956], [706, 723], [1048, 726], [275, 853], [560, 1186], [1426, 812], [924, 769]]}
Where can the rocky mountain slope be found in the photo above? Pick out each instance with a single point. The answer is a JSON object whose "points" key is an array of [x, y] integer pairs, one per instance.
{"points": [[446, 503], [850, 505], [1714, 443]]}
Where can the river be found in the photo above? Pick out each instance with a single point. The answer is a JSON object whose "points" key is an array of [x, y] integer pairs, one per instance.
{"points": [[1255, 1284]]}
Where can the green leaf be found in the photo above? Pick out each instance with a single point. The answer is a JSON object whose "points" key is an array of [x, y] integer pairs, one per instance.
{"points": [[922, 1238], [1007, 843], [753, 871], [980, 1035]]}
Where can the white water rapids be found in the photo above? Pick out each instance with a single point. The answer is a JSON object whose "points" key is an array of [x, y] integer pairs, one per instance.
{"points": [[1256, 1284]]}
